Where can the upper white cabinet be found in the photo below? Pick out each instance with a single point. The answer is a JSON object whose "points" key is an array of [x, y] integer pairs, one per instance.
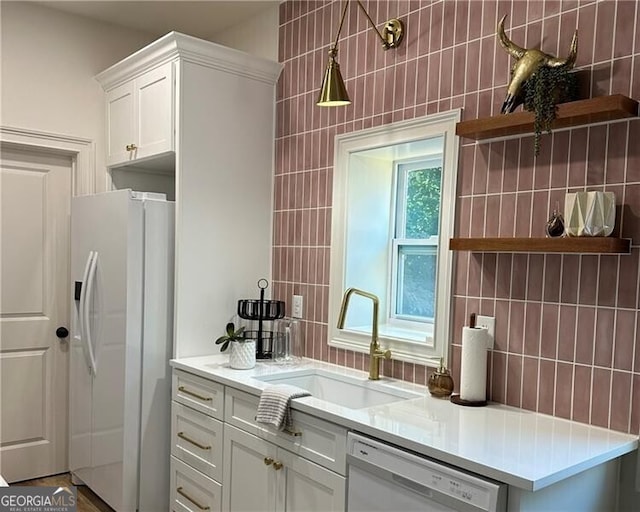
{"points": [[199, 121], [140, 117]]}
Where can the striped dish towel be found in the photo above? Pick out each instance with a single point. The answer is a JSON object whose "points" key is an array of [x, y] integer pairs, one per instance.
{"points": [[275, 405]]}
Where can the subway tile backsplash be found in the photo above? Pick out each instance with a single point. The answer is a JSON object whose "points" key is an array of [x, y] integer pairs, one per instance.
{"points": [[567, 326]]}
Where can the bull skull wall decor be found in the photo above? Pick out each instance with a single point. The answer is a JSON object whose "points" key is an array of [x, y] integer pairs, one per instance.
{"points": [[528, 62]]}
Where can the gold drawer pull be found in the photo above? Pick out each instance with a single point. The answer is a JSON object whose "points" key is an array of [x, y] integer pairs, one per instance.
{"points": [[193, 442], [194, 394], [268, 461], [199, 505], [294, 433], [277, 465], [131, 147]]}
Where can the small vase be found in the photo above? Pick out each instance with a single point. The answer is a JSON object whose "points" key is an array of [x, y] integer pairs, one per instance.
{"points": [[440, 382], [555, 226], [243, 355]]}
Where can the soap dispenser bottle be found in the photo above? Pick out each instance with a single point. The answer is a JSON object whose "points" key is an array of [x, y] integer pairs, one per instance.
{"points": [[440, 382]]}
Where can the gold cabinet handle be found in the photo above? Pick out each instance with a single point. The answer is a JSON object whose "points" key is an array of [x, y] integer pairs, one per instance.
{"points": [[199, 505], [131, 147], [182, 435], [294, 433], [268, 461], [277, 465], [184, 390]]}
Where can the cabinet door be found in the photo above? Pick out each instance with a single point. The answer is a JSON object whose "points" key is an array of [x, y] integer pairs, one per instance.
{"points": [[120, 124], [249, 480], [304, 486], [154, 112]]}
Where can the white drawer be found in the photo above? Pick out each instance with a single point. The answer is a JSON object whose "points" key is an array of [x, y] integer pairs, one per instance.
{"points": [[197, 440], [320, 441], [198, 393], [192, 491]]}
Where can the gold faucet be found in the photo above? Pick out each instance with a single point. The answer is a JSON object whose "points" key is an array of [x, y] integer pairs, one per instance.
{"points": [[375, 353]]}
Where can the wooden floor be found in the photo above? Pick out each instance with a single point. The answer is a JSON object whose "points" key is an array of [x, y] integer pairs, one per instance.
{"points": [[87, 500]]}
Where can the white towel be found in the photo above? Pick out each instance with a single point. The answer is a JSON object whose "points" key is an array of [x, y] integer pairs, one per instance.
{"points": [[275, 405]]}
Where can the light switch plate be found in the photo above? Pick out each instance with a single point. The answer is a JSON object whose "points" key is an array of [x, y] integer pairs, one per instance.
{"points": [[296, 306], [489, 322]]}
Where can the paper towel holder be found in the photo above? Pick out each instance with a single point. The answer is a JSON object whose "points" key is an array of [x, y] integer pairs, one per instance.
{"points": [[456, 399]]}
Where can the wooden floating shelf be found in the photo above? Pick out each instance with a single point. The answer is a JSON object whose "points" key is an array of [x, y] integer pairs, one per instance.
{"points": [[597, 245], [575, 113]]}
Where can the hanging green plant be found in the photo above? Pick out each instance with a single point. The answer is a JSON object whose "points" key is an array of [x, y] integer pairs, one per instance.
{"points": [[542, 93]]}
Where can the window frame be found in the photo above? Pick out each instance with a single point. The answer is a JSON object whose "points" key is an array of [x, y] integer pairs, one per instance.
{"points": [[403, 344]]}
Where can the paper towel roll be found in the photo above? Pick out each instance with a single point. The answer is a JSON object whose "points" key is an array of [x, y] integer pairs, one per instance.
{"points": [[473, 369]]}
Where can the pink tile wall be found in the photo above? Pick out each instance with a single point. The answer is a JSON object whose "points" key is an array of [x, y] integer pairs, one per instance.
{"points": [[567, 326]]}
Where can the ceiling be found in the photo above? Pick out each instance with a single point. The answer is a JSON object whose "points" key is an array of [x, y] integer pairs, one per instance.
{"points": [[201, 19]]}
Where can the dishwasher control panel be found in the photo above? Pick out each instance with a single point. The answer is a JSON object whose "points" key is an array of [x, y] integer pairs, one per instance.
{"points": [[424, 476]]}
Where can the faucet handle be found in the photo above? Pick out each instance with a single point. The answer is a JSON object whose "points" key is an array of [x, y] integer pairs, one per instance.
{"points": [[383, 354]]}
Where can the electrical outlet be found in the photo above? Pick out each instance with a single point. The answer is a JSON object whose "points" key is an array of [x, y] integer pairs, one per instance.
{"points": [[489, 322], [296, 309]]}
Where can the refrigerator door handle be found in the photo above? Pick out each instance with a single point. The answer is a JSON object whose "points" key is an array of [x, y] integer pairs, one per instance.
{"points": [[83, 294], [87, 290]]}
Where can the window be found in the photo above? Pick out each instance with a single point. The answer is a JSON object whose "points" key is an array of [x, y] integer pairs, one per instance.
{"points": [[415, 242], [394, 198]]}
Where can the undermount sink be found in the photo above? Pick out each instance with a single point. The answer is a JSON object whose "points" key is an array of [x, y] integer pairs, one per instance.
{"points": [[344, 390]]}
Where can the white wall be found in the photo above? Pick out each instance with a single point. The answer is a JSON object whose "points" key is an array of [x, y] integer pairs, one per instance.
{"points": [[48, 61], [49, 58], [257, 35]]}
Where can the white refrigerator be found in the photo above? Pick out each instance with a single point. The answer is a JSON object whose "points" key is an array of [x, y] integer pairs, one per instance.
{"points": [[122, 255]]}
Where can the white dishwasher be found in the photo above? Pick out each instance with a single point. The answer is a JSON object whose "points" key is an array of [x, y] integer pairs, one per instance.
{"points": [[385, 478]]}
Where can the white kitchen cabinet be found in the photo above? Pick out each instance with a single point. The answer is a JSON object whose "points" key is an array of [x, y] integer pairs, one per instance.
{"points": [[219, 452], [140, 117], [202, 119], [192, 491], [197, 440], [196, 443], [197, 393], [314, 439], [305, 486], [280, 480], [248, 474]]}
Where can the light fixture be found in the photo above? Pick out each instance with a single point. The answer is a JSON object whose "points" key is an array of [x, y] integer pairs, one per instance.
{"points": [[333, 92]]}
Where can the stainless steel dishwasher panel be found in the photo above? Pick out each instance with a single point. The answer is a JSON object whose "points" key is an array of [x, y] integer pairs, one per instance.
{"points": [[384, 478]]}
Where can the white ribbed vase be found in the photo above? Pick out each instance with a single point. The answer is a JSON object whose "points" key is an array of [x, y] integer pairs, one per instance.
{"points": [[243, 355]]}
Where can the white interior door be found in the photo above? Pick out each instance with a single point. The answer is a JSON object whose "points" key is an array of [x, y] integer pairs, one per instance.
{"points": [[35, 191]]}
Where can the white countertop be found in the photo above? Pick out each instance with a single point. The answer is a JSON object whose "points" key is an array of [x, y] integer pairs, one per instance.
{"points": [[515, 446]]}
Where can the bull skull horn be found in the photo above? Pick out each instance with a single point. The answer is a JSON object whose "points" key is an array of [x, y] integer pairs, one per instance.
{"points": [[511, 48], [555, 62]]}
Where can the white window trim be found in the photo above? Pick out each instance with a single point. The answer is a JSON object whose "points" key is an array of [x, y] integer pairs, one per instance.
{"points": [[397, 133]]}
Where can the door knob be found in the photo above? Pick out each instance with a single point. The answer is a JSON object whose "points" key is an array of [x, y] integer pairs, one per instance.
{"points": [[62, 332], [268, 461], [277, 465]]}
